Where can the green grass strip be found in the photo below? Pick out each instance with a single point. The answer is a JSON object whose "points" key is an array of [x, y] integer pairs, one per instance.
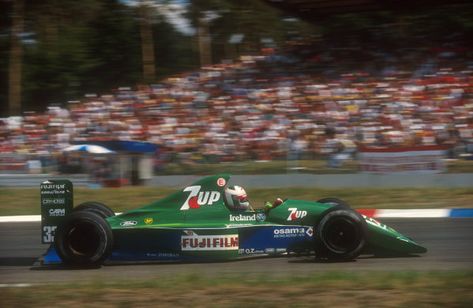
{"points": [[353, 289], [25, 201], [316, 166]]}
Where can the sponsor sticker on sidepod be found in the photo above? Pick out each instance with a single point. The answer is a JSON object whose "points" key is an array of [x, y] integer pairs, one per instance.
{"points": [[128, 223], [197, 198], [241, 217], [246, 217], [295, 214], [209, 242], [292, 232]]}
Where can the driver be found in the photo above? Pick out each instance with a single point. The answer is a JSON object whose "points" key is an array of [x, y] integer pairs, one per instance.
{"points": [[236, 198]]}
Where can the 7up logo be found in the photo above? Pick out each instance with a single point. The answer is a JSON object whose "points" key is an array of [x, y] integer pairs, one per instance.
{"points": [[295, 214], [197, 198]]}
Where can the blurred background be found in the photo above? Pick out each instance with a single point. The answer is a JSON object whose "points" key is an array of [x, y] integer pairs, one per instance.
{"points": [[370, 101], [120, 91]]}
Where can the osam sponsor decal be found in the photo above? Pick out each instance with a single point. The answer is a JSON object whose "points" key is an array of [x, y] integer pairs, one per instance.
{"points": [[289, 232], [295, 214], [197, 198], [310, 232], [209, 242]]}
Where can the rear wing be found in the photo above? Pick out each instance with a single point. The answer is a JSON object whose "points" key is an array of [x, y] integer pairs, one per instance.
{"points": [[56, 203]]}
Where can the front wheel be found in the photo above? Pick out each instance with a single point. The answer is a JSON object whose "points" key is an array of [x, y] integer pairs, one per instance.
{"points": [[84, 239], [340, 235]]}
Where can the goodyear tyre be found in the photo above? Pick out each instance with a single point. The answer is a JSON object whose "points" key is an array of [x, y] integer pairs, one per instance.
{"points": [[84, 239], [96, 207], [340, 234]]}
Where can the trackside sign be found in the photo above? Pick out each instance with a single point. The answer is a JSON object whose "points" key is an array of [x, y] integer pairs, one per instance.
{"points": [[407, 160], [56, 203]]}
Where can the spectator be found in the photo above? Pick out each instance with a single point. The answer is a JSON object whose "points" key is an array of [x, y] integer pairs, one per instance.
{"points": [[318, 103]]}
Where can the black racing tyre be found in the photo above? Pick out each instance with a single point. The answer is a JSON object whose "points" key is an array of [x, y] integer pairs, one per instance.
{"points": [[84, 239], [340, 234], [97, 207], [334, 201]]}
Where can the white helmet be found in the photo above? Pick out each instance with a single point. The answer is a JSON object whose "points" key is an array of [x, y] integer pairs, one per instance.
{"points": [[236, 198]]}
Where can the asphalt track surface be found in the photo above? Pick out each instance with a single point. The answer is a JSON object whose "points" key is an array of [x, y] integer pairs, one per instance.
{"points": [[449, 240]]}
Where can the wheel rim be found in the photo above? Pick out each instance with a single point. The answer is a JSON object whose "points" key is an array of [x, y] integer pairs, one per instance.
{"points": [[341, 235], [83, 239]]}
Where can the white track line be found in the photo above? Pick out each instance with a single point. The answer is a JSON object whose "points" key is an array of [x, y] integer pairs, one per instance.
{"points": [[20, 218], [15, 285], [412, 213], [24, 218]]}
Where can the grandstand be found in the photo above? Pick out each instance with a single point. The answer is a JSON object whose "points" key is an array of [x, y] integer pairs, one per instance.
{"points": [[305, 100]]}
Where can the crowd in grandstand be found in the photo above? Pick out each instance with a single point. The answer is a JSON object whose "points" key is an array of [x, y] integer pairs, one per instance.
{"points": [[270, 107]]}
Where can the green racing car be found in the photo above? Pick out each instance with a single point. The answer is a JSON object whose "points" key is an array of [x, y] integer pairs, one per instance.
{"points": [[209, 221]]}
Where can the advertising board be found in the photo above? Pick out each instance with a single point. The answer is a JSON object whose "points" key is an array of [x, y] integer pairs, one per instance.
{"points": [[419, 159]]}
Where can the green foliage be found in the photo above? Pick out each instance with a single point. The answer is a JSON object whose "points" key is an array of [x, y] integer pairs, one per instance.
{"points": [[5, 23], [95, 45], [174, 51], [402, 28], [256, 20], [76, 49], [89, 46], [114, 45], [315, 166]]}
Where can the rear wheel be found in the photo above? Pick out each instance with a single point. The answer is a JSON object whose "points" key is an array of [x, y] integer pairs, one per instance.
{"points": [[84, 239], [97, 207], [340, 235]]}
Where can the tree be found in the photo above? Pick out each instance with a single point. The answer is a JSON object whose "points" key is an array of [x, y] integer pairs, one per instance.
{"points": [[147, 43], [16, 55], [81, 47]]}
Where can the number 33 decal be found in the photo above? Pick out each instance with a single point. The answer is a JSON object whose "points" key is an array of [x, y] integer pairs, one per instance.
{"points": [[48, 233]]}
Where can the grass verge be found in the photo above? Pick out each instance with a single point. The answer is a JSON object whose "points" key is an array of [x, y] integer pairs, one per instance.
{"points": [[316, 166], [25, 201], [373, 289]]}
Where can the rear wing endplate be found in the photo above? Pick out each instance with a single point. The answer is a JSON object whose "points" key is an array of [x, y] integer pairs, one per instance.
{"points": [[56, 203]]}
